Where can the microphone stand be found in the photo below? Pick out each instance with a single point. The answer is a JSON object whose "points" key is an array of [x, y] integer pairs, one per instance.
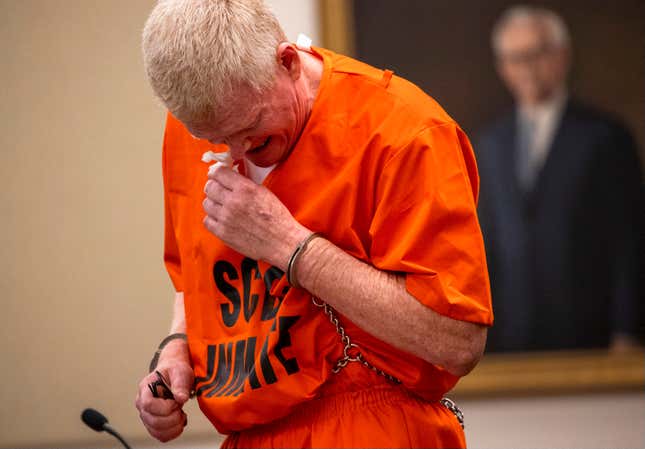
{"points": [[115, 434]]}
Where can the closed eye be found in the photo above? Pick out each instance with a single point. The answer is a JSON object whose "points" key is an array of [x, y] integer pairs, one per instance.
{"points": [[255, 123]]}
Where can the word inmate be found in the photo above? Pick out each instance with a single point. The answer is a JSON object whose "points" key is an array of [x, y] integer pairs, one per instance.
{"points": [[230, 364]]}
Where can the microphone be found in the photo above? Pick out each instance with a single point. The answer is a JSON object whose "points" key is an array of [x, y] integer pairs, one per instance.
{"points": [[96, 421]]}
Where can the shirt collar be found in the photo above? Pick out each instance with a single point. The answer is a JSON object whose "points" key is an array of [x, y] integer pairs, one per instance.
{"points": [[551, 107]]}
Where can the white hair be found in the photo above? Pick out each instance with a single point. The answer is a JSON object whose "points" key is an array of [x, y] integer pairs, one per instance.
{"points": [[197, 52], [557, 31]]}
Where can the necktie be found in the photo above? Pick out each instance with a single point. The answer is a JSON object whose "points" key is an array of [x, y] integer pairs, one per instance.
{"points": [[525, 159]]}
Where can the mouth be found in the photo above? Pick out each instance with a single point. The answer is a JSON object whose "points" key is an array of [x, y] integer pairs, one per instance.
{"points": [[259, 148]]}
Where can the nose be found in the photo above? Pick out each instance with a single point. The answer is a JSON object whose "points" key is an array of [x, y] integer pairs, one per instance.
{"points": [[238, 147]]}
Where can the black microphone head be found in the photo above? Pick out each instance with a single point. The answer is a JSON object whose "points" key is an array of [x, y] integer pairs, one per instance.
{"points": [[94, 419]]}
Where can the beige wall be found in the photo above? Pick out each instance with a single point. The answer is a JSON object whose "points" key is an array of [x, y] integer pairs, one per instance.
{"points": [[85, 292], [86, 297]]}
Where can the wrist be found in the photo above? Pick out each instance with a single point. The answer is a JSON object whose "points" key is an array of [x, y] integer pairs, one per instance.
{"points": [[174, 346], [310, 263], [289, 244]]}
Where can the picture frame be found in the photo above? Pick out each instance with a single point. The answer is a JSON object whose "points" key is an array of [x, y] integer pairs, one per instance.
{"points": [[509, 374]]}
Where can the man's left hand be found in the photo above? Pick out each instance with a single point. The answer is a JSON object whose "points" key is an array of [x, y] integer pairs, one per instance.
{"points": [[250, 219]]}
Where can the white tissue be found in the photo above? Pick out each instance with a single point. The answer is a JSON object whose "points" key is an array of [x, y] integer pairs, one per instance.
{"points": [[223, 159]]}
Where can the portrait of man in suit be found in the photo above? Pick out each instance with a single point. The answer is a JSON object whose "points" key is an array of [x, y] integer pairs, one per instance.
{"points": [[561, 203]]}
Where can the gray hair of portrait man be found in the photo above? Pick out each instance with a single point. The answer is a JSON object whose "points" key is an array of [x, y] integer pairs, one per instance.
{"points": [[558, 34], [196, 53]]}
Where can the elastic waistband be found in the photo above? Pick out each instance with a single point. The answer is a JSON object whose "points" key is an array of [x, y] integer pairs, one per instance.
{"points": [[334, 405]]}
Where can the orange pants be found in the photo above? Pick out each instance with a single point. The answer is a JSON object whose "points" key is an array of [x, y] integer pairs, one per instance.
{"points": [[357, 408]]}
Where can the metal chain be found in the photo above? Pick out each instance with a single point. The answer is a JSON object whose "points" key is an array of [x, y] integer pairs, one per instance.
{"points": [[352, 353], [450, 405]]}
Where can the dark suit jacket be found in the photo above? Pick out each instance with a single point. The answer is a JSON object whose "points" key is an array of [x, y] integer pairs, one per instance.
{"points": [[564, 259]]}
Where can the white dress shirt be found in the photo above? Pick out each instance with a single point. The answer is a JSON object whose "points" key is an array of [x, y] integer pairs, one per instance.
{"points": [[542, 120]]}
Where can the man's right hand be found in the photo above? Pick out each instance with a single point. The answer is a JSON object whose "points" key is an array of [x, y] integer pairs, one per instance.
{"points": [[164, 418]]}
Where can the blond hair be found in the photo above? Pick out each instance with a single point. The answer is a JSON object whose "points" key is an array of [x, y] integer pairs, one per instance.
{"points": [[558, 34], [197, 52]]}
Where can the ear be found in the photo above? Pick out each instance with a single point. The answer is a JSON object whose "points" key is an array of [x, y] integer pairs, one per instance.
{"points": [[289, 58]]}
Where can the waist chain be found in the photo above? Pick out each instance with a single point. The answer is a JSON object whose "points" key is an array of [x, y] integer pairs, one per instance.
{"points": [[352, 353]]}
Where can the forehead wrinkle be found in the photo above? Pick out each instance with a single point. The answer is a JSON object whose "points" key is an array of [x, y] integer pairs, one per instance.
{"points": [[239, 114], [234, 122]]}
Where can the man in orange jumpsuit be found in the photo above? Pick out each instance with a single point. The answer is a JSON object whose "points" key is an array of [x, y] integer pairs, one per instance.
{"points": [[332, 282]]}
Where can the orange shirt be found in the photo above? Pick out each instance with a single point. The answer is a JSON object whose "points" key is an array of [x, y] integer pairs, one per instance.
{"points": [[382, 172]]}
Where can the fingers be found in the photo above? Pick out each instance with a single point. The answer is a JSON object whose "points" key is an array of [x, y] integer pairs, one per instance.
{"points": [[228, 178], [165, 428], [163, 418], [216, 195], [155, 406], [181, 380], [211, 207], [224, 186], [220, 203], [211, 224], [215, 190], [162, 422], [234, 194]]}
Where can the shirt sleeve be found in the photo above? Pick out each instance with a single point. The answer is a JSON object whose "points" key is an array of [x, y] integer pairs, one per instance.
{"points": [[425, 224], [171, 256]]}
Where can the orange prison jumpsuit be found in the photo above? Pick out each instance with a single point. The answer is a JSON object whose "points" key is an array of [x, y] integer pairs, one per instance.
{"points": [[385, 174]]}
